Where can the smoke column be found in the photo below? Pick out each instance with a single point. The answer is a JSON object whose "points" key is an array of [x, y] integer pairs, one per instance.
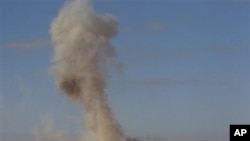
{"points": [[82, 50]]}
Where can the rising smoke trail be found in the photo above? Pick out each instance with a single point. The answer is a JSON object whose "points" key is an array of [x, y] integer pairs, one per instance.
{"points": [[82, 47]]}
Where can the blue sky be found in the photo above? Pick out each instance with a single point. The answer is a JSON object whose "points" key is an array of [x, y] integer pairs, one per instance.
{"points": [[185, 67]]}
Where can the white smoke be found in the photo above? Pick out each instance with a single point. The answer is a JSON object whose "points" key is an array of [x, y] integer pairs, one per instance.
{"points": [[82, 48]]}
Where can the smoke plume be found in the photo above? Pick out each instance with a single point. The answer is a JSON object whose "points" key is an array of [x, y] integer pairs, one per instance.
{"points": [[82, 48]]}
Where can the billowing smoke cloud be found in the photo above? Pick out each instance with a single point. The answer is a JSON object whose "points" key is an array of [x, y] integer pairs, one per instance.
{"points": [[82, 48]]}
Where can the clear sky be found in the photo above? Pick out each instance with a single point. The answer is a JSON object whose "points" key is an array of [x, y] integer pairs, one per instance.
{"points": [[183, 68]]}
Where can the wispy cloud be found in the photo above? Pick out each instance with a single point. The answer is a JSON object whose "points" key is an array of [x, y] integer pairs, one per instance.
{"points": [[17, 137], [126, 29], [168, 81], [183, 53], [27, 44], [107, 0], [155, 26], [119, 66], [226, 48]]}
